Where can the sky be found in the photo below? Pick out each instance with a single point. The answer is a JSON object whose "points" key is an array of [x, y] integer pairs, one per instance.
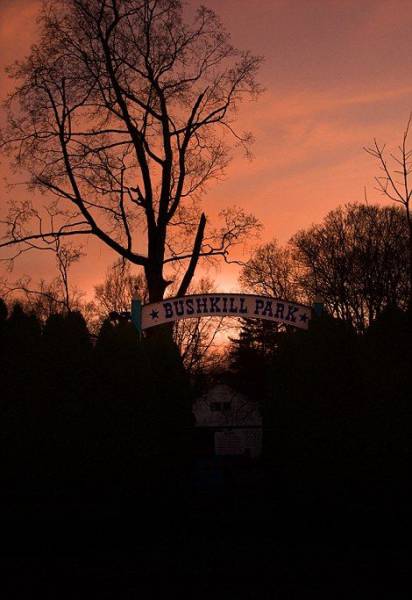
{"points": [[337, 73]]}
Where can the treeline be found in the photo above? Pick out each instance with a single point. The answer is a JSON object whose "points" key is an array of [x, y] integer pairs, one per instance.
{"points": [[335, 399], [357, 260], [88, 419], [112, 414], [336, 403]]}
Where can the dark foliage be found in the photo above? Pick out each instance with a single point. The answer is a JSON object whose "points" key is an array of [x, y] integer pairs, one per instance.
{"points": [[87, 422], [251, 356], [336, 405], [357, 261], [105, 429], [387, 381]]}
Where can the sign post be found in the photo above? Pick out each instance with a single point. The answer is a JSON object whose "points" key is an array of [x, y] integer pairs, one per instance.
{"points": [[136, 314], [318, 306]]}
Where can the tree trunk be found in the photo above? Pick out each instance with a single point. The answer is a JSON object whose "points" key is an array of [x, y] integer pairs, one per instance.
{"points": [[156, 286]]}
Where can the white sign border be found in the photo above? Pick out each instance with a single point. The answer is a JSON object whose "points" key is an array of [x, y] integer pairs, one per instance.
{"points": [[249, 306]]}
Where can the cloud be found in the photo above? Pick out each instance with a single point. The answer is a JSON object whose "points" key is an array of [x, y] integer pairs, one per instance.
{"points": [[337, 75]]}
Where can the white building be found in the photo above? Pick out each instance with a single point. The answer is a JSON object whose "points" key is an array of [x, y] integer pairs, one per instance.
{"points": [[232, 418]]}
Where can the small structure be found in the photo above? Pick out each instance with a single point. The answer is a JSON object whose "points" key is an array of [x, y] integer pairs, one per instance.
{"points": [[227, 423]]}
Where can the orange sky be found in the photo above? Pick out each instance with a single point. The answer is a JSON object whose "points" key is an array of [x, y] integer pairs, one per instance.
{"points": [[337, 73]]}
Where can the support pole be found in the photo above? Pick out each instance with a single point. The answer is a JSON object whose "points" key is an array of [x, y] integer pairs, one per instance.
{"points": [[318, 306], [137, 314]]}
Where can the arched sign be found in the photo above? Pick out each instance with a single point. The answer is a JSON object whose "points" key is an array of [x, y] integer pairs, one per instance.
{"points": [[221, 305]]}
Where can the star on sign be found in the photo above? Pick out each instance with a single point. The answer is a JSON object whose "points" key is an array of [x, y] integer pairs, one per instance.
{"points": [[304, 317], [154, 314]]}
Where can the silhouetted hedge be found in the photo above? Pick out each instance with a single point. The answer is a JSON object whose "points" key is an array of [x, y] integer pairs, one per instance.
{"points": [[87, 420], [336, 407]]}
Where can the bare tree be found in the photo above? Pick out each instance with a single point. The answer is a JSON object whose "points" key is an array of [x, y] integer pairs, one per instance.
{"points": [[356, 260], [122, 114], [272, 271], [198, 339], [48, 297], [395, 184], [116, 292], [195, 338]]}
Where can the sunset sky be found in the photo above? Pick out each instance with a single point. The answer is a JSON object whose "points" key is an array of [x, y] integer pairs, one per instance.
{"points": [[337, 74]]}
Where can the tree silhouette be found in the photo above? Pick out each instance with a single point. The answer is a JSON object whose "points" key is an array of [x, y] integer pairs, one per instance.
{"points": [[251, 357], [46, 298], [122, 114], [312, 417], [194, 337], [272, 271], [394, 182], [357, 261], [3, 312], [21, 391], [387, 383], [66, 355], [142, 400], [117, 290], [21, 355]]}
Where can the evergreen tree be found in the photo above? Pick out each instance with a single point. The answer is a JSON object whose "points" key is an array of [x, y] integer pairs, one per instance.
{"points": [[388, 381], [251, 356], [20, 393]]}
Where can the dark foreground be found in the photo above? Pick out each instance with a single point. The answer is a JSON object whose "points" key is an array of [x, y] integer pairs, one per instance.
{"points": [[223, 531]]}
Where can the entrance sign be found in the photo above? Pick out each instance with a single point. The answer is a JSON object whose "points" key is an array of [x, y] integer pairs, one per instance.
{"points": [[225, 305]]}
